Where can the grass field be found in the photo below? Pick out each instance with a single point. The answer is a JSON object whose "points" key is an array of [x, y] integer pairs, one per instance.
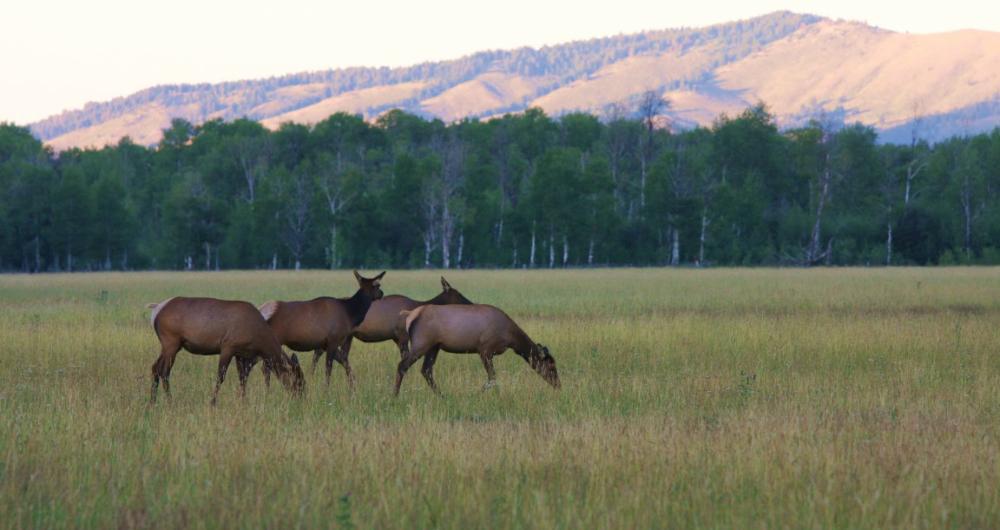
{"points": [[719, 399]]}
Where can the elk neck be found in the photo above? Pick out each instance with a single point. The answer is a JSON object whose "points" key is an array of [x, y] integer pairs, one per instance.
{"points": [[357, 306], [523, 345]]}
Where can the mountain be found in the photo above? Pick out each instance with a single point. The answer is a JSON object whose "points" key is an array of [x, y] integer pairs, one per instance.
{"points": [[802, 66]]}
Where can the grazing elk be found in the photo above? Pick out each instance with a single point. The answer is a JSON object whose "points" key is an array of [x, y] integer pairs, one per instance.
{"points": [[324, 324], [381, 322], [476, 328], [206, 326]]}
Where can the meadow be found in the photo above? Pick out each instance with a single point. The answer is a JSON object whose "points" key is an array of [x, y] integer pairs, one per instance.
{"points": [[725, 398]]}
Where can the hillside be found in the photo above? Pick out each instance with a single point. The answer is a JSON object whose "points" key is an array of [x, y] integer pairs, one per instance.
{"points": [[877, 77], [800, 65]]}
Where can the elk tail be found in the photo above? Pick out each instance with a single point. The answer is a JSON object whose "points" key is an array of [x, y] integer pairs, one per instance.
{"points": [[157, 307], [409, 319], [268, 309]]}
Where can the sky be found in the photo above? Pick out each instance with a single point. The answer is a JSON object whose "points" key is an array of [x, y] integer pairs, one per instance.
{"points": [[58, 55]]}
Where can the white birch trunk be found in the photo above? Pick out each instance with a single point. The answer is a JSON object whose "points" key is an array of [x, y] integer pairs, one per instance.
{"points": [[967, 214], [701, 237], [642, 184], [333, 246], [552, 249], [249, 175], [912, 170], [531, 260], [427, 250], [675, 251], [813, 254], [888, 244], [334, 208], [447, 226]]}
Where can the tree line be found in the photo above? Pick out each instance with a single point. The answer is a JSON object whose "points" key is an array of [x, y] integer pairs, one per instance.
{"points": [[524, 190]]}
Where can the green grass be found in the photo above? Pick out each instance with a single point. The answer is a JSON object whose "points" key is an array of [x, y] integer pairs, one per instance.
{"points": [[718, 399]]}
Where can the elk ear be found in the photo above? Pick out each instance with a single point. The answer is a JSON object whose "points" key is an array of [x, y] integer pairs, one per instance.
{"points": [[295, 359], [445, 285], [379, 277], [357, 276]]}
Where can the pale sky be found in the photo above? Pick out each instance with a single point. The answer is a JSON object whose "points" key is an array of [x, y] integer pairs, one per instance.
{"points": [[57, 55]]}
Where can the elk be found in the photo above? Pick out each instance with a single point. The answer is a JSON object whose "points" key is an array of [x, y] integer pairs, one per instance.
{"points": [[475, 328], [324, 323], [207, 326], [380, 324]]}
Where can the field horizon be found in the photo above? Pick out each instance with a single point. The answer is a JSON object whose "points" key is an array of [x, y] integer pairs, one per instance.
{"points": [[708, 398]]}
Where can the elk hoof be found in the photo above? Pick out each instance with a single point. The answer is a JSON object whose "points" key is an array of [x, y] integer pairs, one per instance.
{"points": [[489, 385]]}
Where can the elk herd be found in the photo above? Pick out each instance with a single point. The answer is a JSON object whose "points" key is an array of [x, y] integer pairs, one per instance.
{"points": [[326, 325]]}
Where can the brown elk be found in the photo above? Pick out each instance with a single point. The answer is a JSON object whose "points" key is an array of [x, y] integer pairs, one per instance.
{"points": [[207, 326], [476, 328], [380, 324], [323, 324]]}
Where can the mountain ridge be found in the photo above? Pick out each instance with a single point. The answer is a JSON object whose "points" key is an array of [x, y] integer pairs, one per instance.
{"points": [[799, 64]]}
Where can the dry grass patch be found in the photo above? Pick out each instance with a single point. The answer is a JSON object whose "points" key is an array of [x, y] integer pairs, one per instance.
{"points": [[718, 399]]}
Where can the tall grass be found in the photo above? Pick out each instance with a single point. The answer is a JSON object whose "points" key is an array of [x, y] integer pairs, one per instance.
{"points": [[718, 399]]}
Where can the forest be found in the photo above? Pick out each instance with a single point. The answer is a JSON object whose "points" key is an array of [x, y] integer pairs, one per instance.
{"points": [[524, 190]]}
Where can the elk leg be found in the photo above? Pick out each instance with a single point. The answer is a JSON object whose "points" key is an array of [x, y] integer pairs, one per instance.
{"points": [[317, 353], [491, 375], [341, 356], [165, 376], [243, 367], [402, 340], [224, 359], [161, 368], [329, 361], [427, 369], [404, 365], [401, 345]]}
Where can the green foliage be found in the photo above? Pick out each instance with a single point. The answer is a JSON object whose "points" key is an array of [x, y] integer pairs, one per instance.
{"points": [[519, 190], [343, 516]]}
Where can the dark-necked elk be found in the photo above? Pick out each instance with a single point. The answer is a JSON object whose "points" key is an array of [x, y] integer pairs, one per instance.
{"points": [[206, 326], [381, 322], [476, 328], [324, 323]]}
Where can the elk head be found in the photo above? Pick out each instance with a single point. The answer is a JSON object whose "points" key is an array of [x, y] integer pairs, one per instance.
{"points": [[449, 295], [290, 374], [370, 287], [543, 363]]}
